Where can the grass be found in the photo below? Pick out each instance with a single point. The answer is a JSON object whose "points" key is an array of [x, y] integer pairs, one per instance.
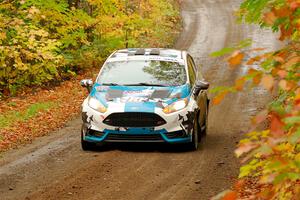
{"points": [[10, 117]]}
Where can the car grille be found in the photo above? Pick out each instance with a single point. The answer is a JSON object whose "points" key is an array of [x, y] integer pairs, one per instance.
{"points": [[134, 119], [134, 137]]}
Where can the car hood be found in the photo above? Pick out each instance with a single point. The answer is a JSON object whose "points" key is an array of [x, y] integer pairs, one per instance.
{"points": [[139, 98]]}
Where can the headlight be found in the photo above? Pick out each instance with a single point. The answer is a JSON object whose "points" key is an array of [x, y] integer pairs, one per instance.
{"points": [[96, 105], [176, 106]]}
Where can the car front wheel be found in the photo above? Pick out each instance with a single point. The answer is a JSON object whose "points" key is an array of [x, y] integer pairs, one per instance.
{"points": [[204, 131], [86, 146], [194, 144]]}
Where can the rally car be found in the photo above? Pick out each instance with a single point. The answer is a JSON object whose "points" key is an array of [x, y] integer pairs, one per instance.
{"points": [[146, 95]]}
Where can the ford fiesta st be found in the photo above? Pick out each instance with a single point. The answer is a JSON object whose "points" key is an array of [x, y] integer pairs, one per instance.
{"points": [[146, 95]]}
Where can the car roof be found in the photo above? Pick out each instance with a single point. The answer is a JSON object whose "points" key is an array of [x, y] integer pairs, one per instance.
{"points": [[171, 55]]}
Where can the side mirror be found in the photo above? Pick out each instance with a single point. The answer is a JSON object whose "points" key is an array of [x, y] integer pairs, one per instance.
{"points": [[87, 83], [200, 85]]}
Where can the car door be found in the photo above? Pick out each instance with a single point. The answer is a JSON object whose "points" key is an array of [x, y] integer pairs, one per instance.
{"points": [[201, 99]]}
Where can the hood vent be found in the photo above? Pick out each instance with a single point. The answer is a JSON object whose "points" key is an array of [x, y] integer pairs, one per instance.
{"points": [[140, 52], [155, 52]]}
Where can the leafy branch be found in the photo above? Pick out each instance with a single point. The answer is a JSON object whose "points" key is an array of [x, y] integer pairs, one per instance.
{"points": [[273, 154]]}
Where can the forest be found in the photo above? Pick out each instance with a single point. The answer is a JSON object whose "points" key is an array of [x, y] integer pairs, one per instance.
{"points": [[45, 42]]}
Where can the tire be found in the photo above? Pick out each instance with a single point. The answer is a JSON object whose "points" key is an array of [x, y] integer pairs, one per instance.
{"points": [[204, 131], [86, 146], [194, 144]]}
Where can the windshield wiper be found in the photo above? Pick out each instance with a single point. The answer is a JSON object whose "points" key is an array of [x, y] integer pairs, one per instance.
{"points": [[147, 84], [110, 84]]}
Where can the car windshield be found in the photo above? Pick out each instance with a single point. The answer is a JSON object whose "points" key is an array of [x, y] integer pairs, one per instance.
{"points": [[143, 72]]}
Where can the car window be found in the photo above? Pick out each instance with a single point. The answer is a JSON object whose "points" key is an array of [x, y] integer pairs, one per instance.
{"points": [[143, 71], [192, 74]]}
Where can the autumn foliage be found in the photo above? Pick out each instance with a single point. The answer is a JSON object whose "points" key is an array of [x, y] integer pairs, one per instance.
{"points": [[47, 46], [49, 41], [271, 155]]}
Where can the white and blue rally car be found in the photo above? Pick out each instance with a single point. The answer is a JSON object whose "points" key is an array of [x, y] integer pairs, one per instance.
{"points": [[146, 95]]}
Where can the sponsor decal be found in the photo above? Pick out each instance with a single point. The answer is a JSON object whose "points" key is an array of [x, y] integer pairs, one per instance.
{"points": [[133, 99], [122, 94], [139, 93], [102, 88], [87, 119], [187, 122]]}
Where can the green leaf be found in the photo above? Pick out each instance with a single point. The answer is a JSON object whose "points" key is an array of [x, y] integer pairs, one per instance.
{"points": [[222, 52], [294, 138], [292, 120]]}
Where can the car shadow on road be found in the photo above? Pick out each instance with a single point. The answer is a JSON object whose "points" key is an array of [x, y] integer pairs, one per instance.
{"points": [[209, 142], [142, 147]]}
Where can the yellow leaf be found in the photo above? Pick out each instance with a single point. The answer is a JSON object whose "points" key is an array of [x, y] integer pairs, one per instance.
{"points": [[2, 36]]}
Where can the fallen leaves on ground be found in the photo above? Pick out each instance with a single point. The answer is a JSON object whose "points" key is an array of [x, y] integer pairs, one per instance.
{"points": [[67, 98], [244, 189]]}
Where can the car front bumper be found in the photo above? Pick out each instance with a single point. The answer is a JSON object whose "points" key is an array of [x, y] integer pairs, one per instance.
{"points": [[136, 135], [177, 128]]}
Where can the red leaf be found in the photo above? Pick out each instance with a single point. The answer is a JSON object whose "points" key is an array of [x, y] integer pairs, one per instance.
{"points": [[297, 99], [239, 185], [262, 116], [277, 126], [285, 33], [230, 196], [294, 5], [282, 12], [270, 18]]}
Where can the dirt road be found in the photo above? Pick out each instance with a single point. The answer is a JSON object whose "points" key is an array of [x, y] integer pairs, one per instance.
{"points": [[54, 167]]}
